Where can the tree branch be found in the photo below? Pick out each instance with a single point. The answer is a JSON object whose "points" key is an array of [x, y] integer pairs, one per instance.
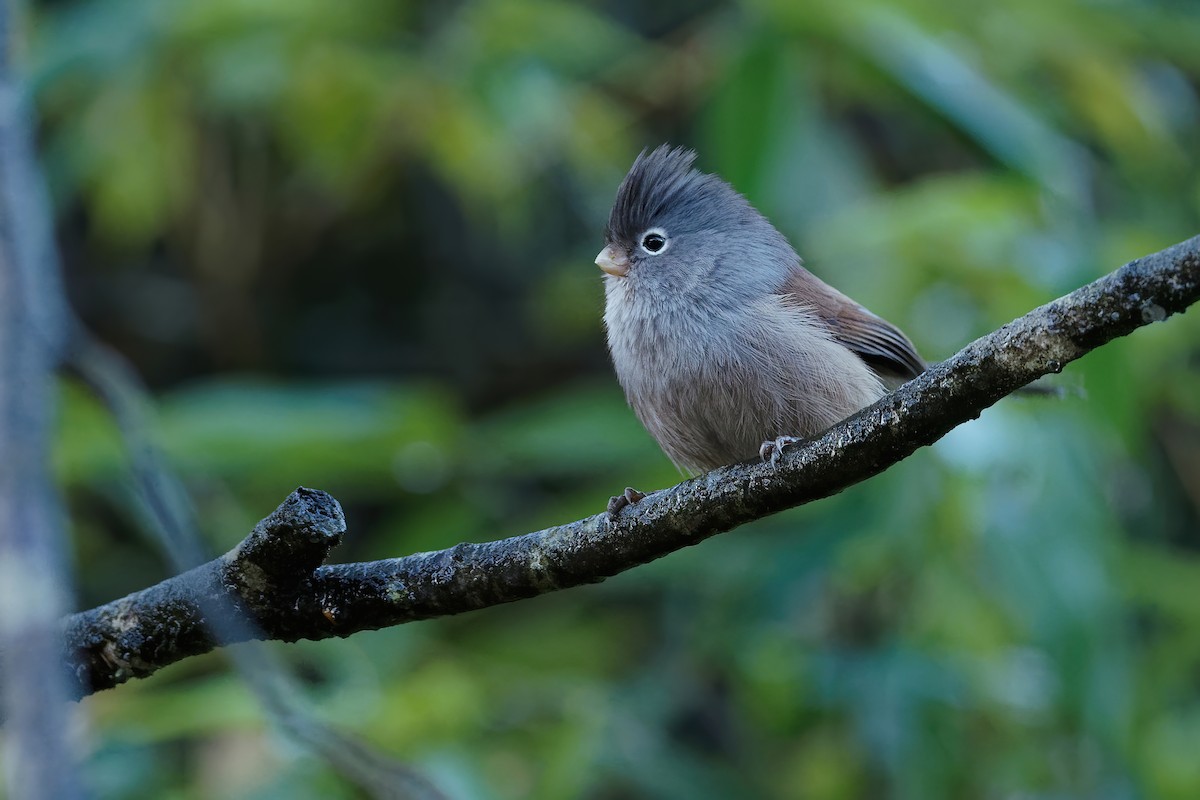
{"points": [[275, 576], [38, 756], [266, 559]]}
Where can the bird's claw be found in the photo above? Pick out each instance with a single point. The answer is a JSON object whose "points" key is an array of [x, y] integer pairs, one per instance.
{"points": [[625, 498], [772, 449]]}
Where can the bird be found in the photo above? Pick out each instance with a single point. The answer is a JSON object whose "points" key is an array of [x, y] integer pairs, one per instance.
{"points": [[726, 346]]}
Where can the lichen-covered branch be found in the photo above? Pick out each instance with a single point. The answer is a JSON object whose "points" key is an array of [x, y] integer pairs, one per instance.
{"points": [[274, 577], [134, 636]]}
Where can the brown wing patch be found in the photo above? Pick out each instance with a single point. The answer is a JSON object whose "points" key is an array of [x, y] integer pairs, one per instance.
{"points": [[875, 340]]}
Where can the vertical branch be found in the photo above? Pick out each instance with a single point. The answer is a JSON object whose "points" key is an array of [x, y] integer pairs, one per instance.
{"points": [[33, 577]]}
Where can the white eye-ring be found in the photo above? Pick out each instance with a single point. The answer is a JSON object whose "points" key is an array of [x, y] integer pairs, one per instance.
{"points": [[654, 242]]}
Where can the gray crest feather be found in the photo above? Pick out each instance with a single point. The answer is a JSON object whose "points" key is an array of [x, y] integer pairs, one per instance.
{"points": [[658, 181]]}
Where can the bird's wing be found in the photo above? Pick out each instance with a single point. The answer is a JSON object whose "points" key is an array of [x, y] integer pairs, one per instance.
{"points": [[882, 345]]}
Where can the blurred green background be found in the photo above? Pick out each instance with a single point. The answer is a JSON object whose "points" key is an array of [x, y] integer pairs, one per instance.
{"points": [[349, 246]]}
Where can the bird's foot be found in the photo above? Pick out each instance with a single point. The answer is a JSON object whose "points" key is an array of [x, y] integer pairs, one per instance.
{"points": [[625, 498], [772, 449]]}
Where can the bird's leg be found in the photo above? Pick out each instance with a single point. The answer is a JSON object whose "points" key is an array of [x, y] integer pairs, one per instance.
{"points": [[625, 498], [772, 449]]}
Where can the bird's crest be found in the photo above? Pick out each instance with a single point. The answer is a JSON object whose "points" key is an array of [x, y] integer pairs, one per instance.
{"points": [[658, 180]]}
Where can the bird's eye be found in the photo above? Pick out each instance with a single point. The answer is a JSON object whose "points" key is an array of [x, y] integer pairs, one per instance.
{"points": [[655, 241]]}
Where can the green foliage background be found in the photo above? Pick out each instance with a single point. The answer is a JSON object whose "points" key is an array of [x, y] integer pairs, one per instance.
{"points": [[349, 245]]}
